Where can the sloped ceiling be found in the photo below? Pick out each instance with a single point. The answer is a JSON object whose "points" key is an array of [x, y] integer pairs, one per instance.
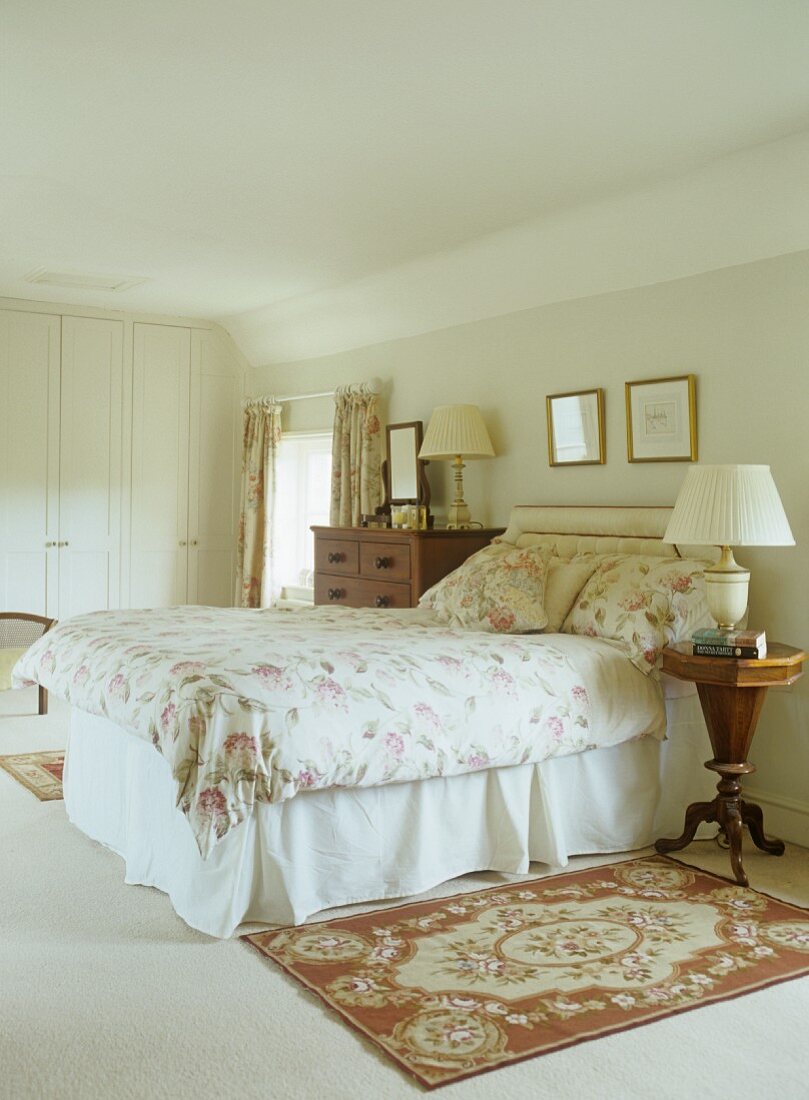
{"points": [[247, 158]]}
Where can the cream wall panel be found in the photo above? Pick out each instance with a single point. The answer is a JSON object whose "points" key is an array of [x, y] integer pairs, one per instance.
{"points": [[215, 393], [90, 465], [160, 435], [29, 461]]}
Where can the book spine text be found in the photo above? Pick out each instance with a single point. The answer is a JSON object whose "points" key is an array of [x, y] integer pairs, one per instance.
{"points": [[741, 651]]}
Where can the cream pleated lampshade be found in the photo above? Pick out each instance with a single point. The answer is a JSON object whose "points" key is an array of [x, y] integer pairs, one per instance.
{"points": [[729, 506], [456, 430]]}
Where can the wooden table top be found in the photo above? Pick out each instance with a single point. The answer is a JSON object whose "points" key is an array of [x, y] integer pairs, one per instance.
{"points": [[782, 665]]}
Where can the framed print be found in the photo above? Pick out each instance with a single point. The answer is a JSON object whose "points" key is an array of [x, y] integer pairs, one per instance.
{"points": [[576, 428], [661, 420]]}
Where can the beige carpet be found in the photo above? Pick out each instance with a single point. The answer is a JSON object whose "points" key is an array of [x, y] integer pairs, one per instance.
{"points": [[104, 992]]}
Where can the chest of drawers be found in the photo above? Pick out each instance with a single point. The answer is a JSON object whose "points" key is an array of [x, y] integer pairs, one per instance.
{"points": [[383, 567]]}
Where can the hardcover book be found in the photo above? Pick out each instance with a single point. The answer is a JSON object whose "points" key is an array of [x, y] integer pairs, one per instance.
{"points": [[728, 636], [741, 652]]}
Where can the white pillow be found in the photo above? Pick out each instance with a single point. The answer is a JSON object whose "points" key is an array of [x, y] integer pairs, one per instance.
{"points": [[565, 581]]}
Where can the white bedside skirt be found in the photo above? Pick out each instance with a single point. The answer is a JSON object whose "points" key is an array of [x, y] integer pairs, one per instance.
{"points": [[323, 849]]}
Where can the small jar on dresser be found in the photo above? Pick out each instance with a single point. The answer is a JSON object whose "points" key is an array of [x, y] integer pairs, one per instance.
{"points": [[387, 567]]}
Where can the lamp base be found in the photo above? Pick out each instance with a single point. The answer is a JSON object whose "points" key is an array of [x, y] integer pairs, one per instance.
{"points": [[458, 517], [726, 586]]}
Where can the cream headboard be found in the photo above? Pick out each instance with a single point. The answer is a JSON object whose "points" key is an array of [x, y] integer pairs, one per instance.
{"points": [[577, 529]]}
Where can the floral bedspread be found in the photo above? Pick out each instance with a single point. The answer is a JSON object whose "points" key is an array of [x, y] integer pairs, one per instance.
{"points": [[253, 706]]}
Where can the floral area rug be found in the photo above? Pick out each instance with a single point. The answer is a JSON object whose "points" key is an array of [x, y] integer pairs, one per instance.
{"points": [[452, 987], [40, 772]]}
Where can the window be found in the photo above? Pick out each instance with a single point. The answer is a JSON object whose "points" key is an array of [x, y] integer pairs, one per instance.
{"points": [[303, 490]]}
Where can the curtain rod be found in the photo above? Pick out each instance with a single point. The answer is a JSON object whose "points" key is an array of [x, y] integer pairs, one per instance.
{"points": [[302, 396], [373, 386]]}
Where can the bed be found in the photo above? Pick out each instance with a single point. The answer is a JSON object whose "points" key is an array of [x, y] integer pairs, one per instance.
{"points": [[363, 755]]}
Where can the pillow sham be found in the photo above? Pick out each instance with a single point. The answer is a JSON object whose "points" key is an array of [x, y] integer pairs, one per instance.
{"points": [[643, 602], [499, 589], [565, 581], [495, 549]]}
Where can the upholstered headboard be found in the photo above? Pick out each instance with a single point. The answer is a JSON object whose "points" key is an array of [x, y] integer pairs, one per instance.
{"points": [[580, 529]]}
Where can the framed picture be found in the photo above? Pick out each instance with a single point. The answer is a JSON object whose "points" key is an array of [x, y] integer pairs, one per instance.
{"points": [[661, 420], [576, 428]]}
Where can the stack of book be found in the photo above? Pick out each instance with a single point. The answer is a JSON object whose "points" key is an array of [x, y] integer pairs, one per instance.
{"points": [[729, 642]]}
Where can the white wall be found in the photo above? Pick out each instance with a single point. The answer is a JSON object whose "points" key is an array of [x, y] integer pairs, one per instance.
{"points": [[661, 231], [743, 331]]}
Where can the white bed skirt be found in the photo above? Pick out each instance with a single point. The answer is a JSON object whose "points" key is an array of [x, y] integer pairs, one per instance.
{"points": [[324, 849]]}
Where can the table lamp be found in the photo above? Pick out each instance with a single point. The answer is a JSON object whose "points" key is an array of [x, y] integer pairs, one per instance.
{"points": [[728, 506], [456, 432]]}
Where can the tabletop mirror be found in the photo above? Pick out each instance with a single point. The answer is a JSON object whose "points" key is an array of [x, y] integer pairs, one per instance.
{"points": [[404, 472]]}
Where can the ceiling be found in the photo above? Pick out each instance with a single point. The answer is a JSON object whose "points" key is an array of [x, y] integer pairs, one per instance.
{"points": [[245, 154]]}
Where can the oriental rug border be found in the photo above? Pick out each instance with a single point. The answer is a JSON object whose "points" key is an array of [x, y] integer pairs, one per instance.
{"points": [[452, 987], [38, 772]]}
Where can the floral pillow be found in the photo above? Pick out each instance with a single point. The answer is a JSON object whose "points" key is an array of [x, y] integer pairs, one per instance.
{"points": [[495, 549], [644, 602], [500, 590]]}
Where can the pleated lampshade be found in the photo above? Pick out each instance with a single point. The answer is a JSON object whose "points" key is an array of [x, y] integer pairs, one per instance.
{"points": [[729, 506], [456, 430]]}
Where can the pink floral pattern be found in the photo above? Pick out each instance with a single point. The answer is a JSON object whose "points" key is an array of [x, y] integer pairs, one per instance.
{"points": [[644, 603], [251, 706], [499, 589], [356, 469], [262, 434]]}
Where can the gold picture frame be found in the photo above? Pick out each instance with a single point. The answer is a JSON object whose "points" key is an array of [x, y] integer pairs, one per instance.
{"points": [[576, 428], [661, 419]]}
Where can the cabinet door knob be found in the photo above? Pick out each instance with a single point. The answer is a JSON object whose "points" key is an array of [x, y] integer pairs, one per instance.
{"points": [[382, 601], [194, 542], [335, 593], [382, 563], [335, 556], [48, 545], [183, 542], [65, 543]]}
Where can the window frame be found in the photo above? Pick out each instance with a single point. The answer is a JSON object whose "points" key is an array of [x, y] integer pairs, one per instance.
{"points": [[295, 593]]}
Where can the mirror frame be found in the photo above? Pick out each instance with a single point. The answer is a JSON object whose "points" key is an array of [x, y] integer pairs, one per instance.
{"points": [[596, 442], [422, 484]]}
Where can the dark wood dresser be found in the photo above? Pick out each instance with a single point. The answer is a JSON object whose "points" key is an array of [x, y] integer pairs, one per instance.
{"points": [[386, 567]]}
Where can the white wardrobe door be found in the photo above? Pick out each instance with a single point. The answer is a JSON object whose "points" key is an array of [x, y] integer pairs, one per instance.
{"points": [[159, 553], [29, 461], [212, 505], [90, 465]]}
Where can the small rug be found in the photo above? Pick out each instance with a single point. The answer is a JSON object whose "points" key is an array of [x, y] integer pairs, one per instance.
{"points": [[40, 772], [452, 987]]}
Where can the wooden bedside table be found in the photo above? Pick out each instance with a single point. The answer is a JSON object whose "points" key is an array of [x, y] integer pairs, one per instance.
{"points": [[731, 693]]}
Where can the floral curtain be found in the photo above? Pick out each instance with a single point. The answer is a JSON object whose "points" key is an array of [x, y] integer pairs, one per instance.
{"points": [[262, 433], [356, 469]]}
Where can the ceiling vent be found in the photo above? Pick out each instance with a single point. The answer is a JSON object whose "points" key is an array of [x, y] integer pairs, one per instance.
{"points": [[73, 281]]}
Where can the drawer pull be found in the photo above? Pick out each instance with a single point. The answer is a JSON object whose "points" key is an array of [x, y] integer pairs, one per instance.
{"points": [[382, 601], [335, 556], [383, 563], [335, 593]]}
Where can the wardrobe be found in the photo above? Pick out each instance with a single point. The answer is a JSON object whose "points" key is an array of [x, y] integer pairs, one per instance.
{"points": [[184, 460], [119, 448]]}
